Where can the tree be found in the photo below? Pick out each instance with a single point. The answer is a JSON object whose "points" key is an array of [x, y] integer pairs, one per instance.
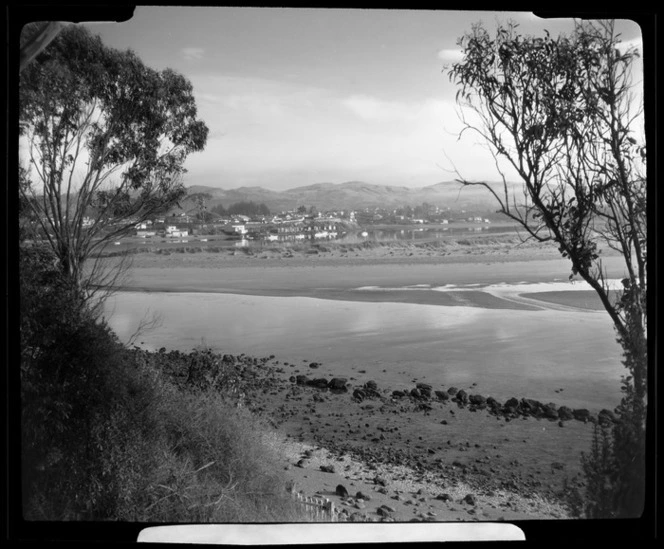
{"points": [[560, 112], [105, 139]]}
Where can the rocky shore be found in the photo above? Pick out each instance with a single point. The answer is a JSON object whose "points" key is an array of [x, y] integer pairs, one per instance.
{"points": [[426, 453]]}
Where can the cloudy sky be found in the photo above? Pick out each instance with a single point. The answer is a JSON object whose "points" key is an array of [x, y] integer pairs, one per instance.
{"points": [[300, 96]]}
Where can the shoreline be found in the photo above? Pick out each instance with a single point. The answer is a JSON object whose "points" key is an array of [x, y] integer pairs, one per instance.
{"points": [[426, 460], [424, 457]]}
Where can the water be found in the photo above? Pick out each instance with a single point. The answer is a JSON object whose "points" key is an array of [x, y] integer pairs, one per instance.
{"points": [[531, 353]]}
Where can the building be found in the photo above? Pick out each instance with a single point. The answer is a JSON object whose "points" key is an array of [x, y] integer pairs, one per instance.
{"points": [[174, 232]]}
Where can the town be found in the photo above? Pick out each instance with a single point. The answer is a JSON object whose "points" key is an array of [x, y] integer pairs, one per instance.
{"points": [[299, 224]]}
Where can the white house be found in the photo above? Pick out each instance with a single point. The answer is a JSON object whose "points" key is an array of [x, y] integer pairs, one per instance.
{"points": [[173, 231]]}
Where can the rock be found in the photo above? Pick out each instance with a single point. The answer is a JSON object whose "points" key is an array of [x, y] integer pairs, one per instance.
{"points": [[383, 511], [363, 496], [443, 497], [426, 393], [530, 406], [341, 491], [549, 411], [314, 365], [511, 406], [358, 394], [301, 379], [327, 468], [452, 391], [565, 413], [462, 396], [371, 385], [338, 384], [415, 393], [442, 395], [380, 480], [320, 382], [469, 499], [398, 394], [477, 399], [493, 403], [581, 414], [424, 386]]}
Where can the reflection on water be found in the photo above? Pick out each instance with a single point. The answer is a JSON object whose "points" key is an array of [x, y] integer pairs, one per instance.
{"points": [[376, 235], [506, 352]]}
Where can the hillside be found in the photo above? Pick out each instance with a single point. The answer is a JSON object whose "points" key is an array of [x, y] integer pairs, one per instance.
{"points": [[352, 195]]}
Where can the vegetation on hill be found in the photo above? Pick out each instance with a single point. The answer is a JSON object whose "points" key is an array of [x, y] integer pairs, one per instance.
{"points": [[108, 434]]}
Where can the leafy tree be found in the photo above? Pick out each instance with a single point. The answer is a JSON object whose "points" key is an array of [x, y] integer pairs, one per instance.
{"points": [[248, 208], [561, 113], [104, 139]]}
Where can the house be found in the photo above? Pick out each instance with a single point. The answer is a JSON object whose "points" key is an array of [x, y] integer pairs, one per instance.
{"points": [[174, 232]]}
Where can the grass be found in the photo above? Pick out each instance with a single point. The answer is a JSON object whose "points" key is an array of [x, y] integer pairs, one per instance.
{"points": [[117, 439]]}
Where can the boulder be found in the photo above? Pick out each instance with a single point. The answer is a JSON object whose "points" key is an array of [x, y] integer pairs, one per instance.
{"points": [[530, 406], [380, 480], [581, 414], [320, 382], [314, 365], [425, 386], [341, 491], [492, 403], [452, 391], [478, 400], [426, 393], [370, 389], [442, 395], [337, 384], [549, 411], [415, 393], [398, 394], [512, 405], [469, 499], [565, 413], [462, 396], [301, 379], [358, 394]]}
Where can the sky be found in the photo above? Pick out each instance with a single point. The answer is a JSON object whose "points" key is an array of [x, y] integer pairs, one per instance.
{"points": [[297, 96]]}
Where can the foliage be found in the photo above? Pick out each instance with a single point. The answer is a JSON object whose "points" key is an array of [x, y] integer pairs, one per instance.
{"points": [[106, 139], [560, 112], [107, 436], [248, 208]]}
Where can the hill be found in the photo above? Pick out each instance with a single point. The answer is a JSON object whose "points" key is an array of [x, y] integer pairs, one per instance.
{"points": [[351, 195]]}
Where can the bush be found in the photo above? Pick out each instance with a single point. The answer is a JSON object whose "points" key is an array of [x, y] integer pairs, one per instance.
{"points": [[106, 437]]}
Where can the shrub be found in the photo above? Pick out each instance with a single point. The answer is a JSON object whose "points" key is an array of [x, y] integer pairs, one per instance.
{"points": [[106, 437]]}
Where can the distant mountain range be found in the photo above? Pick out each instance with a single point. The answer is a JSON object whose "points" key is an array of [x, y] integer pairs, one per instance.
{"points": [[350, 195]]}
